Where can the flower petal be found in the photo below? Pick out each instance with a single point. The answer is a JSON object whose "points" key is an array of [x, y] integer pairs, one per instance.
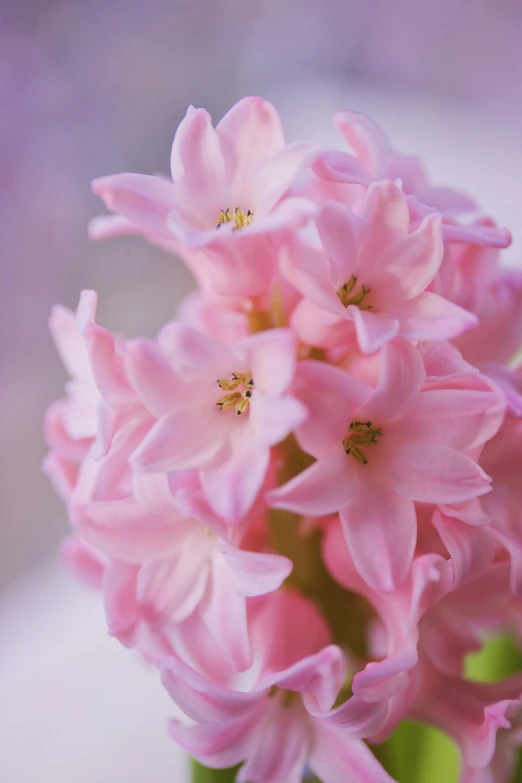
{"points": [[437, 474], [460, 418], [271, 358], [401, 377], [256, 573], [335, 226], [126, 530], [372, 330], [233, 479], [250, 130], [273, 419], [324, 488], [336, 757], [187, 437], [198, 168], [380, 528], [141, 199], [154, 379], [430, 317], [331, 397]]}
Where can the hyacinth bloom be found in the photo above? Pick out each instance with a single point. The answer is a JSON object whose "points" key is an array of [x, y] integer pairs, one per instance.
{"points": [[380, 451], [301, 500], [71, 423], [226, 186], [373, 275], [282, 718], [376, 159], [219, 410]]}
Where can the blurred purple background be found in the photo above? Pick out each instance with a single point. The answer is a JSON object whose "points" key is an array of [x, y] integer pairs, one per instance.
{"points": [[91, 87]]}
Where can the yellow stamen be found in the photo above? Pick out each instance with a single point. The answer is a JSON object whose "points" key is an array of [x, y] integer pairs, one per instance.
{"points": [[361, 433], [239, 399], [349, 296], [240, 218]]}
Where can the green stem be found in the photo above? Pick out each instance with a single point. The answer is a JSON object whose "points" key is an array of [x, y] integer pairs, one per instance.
{"points": [[202, 774]]}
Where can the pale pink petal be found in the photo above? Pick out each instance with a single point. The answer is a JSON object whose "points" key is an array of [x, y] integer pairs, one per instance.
{"points": [[384, 679], [414, 259], [194, 355], [380, 528], [277, 175], [401, 377], [273, 419], [216, 745], [153, 379], [255, 573], [335, 226], [331, 397], [141, 199], [203, 699], [387, 217], [198, 168], [336, 758], [307, 270], [319, 327], [442, 360], [232, 480], [121, 605], [457, 418], [107, 366], [372, 330], [66, 329], [477, 234], [271, 357], [321, 676], [174, 585], [430, 317], [335, 166], [279, 748], [368, 141], [356, 718], [250, 130], [187, 437], [436, 474], [286, 628], [470, 551], [126, 530], [223, 612], [324, 488]]}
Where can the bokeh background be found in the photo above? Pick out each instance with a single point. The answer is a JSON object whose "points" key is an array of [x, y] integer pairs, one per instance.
{"points": [[90, 87]]}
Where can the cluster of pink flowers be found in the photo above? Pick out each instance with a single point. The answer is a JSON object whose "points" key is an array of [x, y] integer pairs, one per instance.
{"points": [[301, 501]]}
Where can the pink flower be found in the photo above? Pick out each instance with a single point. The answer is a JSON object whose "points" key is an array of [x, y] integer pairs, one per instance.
{"points": [[219, 410], [282, 719], [502, 458], [380, 451], [221, 208], [71, 423], [376, 159], [373, 274], [161, 567]]}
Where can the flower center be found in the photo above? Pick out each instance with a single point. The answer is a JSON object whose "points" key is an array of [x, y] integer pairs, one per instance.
{"points": [[239, 218], [360, 436], [351, 294], [240, 387]]}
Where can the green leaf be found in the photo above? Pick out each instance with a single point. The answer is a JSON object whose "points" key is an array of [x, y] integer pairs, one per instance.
{"points": [[202, 774]]}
